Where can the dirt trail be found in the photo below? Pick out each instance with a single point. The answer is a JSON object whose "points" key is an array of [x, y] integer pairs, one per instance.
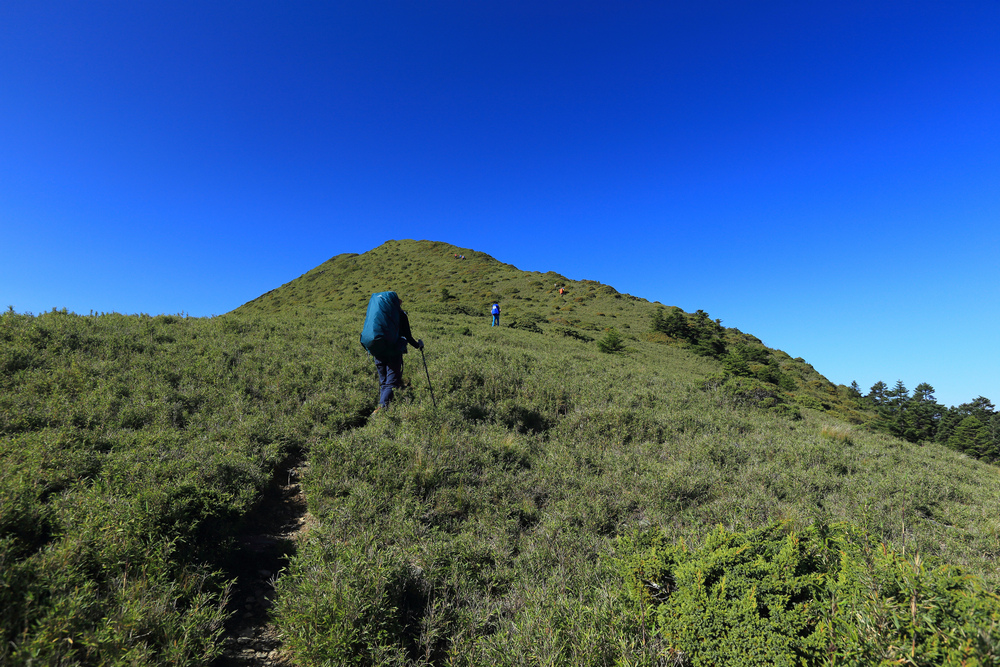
{"points": [[273, 529]]}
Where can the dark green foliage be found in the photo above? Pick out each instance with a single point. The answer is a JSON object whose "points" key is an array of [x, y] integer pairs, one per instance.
{"points": [[673, 324], [923, 414], [573, 333], [972, 428], [523, 323], [755, 361], [773, 373], [823, 595], [704, 336], [877, 393], [710, 347], [751, 392], [612, 342], [972, 436]]}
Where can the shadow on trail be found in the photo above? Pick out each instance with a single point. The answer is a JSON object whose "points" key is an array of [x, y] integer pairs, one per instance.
{"points": [[263, 549]]}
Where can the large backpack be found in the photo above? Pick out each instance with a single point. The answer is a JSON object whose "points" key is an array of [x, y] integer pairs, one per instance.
{"points": [[380, 335]]}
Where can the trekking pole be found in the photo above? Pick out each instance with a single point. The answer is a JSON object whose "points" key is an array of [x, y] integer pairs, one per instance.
{"points": [[428, 378]]}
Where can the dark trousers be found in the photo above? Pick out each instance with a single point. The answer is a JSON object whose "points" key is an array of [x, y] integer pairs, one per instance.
{"points": [[390, 375]]}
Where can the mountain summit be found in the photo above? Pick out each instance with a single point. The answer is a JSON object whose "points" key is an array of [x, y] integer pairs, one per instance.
{"points": [[460, 284], [428, 274]]}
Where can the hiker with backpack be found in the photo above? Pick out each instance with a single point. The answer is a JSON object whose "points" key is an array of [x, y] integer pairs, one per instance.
{"points": [[386, 334], [495, 311]]}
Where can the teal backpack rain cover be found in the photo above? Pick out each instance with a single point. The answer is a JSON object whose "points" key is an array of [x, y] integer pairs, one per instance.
{"points": [[380, 335]]}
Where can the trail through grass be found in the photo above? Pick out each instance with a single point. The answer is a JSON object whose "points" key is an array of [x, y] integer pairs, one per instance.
{"points": [[506, 522]]}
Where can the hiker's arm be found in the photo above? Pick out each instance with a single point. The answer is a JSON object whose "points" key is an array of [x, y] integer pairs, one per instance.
{"points": [[404, 331]]}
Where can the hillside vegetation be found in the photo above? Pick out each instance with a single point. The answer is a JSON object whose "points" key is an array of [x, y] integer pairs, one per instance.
{"points": [[431, 279], [693, 498], [972, 428]]}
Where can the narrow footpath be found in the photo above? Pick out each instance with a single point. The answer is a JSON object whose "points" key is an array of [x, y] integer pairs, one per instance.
{"points": [[273, 530]]}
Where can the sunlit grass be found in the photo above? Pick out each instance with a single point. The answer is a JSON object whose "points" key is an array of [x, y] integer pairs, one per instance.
{"points": [[481, 527]]}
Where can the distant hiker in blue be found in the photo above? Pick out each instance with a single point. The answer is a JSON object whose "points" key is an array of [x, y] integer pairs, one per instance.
{"points": [[385, 335], [496, 315]]}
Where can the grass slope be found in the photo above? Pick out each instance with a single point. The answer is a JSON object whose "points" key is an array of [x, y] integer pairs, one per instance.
{"points": [[485, 530], [556, 506], [427, 275]]}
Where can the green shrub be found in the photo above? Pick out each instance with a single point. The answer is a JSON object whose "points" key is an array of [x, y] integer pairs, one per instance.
{"points": [[524, 324], [612, 342], [361, 616], [821, 596], [573, 333]]}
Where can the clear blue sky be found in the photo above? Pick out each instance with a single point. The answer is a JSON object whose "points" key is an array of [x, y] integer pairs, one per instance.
{"points": [[823, 175]]}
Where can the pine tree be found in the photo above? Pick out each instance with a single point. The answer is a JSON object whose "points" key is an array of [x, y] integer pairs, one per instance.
{"points": [[923, 415], [895, 406], [972, 428], [897, 398], [970, 436], [673, 324], [877, 393], [950, 419], [612, 342], [980, 407], [659, 323], [924, 393]]}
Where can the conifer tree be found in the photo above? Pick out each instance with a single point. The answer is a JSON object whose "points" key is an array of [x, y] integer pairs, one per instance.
{"points": [[894, 409], [972, 437], [673, 324], [659, 323], [897, 398], [970, 428], [612, 342], [877, 393], [923, 414]]}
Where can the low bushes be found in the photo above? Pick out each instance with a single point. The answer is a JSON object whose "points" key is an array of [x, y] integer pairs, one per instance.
{"points": [[534, 513], [825, 595], [131, 448]]}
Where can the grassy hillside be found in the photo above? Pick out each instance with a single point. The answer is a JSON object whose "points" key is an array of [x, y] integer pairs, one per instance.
{"points": [[552, 504], [427, 275], [130, 449]]}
